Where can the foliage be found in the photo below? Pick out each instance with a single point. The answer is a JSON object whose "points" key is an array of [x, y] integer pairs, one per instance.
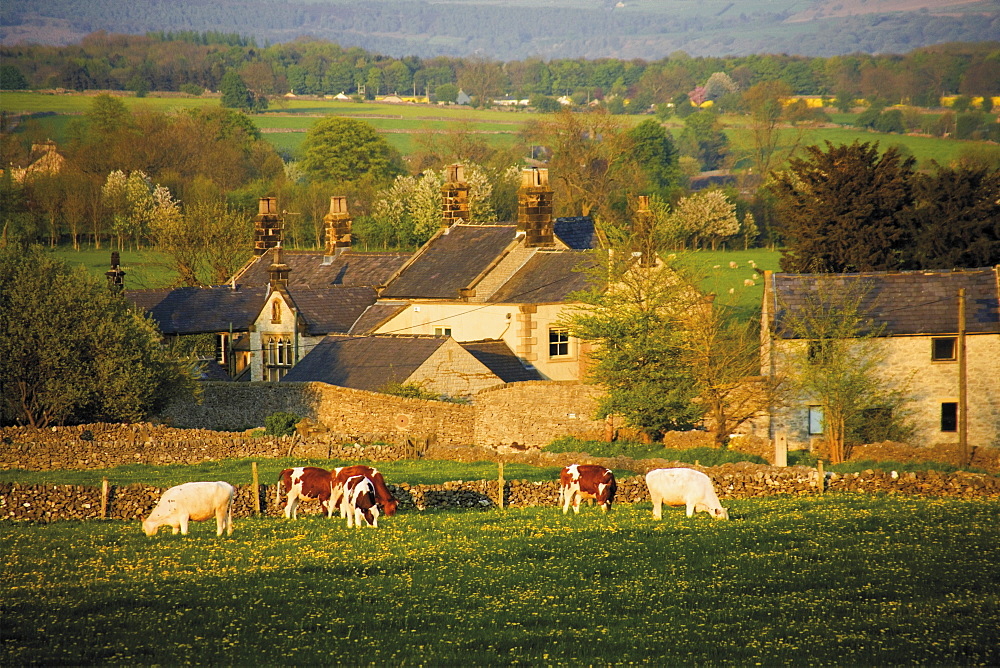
{"points": [[842, 208], [70, 351], [654, 151], [346, 149], [703, 138], [838, 364], [707, 215], [236, 95], [11, 78], [956, 219], [280, 423], [410, 391], [633, 317], [924, 573]]}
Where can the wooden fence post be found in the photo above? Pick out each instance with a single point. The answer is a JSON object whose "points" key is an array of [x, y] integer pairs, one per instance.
{"points": [[256, 488], [105, 490], [500, 484], [820, 476]]}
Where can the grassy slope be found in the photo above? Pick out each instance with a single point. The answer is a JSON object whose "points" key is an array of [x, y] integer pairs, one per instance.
{"points": [[835, 580]]}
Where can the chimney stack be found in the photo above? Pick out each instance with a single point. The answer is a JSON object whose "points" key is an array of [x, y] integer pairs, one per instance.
{"points": [[278, 271], [642, 233], [337, 225], [455, 197], [267, 226], [534, 208]]}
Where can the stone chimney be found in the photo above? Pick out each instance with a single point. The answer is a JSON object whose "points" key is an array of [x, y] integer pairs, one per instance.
{"points": [[534, 208], [337, 226], [642, 233], [278, 271], [267, 226], [455, 197], [116, 277]]}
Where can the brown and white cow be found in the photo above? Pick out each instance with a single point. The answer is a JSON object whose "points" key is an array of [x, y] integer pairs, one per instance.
{"points": [[358, 502], [586, 481], [384, 497], [306, 482]]}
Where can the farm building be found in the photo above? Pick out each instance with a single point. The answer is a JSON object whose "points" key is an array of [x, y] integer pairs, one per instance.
{"points": [[916, 314]]}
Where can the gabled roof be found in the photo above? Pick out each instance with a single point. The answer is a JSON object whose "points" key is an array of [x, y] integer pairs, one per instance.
{"points": [[907, 302], [377, 315], [314, 270], [364, 362], [501, 360], [331, 310], [200, 310], [451, 261], [577, 233], [548, 277]]}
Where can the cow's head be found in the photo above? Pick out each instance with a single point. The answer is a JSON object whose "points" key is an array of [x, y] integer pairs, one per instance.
{"points": [[720, 513], [148, 527]]}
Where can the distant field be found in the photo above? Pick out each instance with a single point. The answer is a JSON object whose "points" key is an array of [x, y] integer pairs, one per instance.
{"points": [[143, 269]]}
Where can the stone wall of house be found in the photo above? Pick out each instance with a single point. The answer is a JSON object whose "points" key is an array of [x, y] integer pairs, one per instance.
{"points": [[47, 503], [929, 384], [451, 370], [534, 413]]}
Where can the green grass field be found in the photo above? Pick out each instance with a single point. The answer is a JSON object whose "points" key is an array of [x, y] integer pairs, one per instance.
{"points": [[401, 123], [839, 580]]}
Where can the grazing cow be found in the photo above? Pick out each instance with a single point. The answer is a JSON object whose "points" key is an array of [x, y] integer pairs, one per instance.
{"points": [[305, 482], [385, 498], [198, 501], [359, 502], [586, 481], [684, 487]]}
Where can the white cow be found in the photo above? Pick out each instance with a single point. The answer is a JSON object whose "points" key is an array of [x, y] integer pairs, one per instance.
{"points": [[358, 502], [198, 501], [684, 487]]}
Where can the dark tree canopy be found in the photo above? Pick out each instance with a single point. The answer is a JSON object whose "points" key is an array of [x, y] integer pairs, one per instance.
{"points": [[956, 219], [656, 155], [843, 208], [71, 351]]}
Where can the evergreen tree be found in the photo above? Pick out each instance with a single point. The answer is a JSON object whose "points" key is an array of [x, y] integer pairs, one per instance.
{"points": [[956, 220], [843, 209]]}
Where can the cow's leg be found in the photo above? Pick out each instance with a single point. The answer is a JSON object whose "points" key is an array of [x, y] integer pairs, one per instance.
{"points": [[374, 512], [567, 497], [290, 503], [184, 524], [577, 499], [657, 505], [337, 499], [690, 509], [220, 520]]}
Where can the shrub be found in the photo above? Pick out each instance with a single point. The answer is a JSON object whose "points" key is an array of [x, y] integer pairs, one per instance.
{"points": [[280, 424], [86, 435]]}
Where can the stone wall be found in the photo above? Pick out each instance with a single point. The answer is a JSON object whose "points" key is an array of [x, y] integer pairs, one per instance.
{"points": [[47, 503], [535, 413], [531, 414]]}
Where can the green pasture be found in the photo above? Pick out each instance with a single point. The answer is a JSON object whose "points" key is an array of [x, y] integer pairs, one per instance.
{"points": [[838, 580], [400, 123], [144, 269]]}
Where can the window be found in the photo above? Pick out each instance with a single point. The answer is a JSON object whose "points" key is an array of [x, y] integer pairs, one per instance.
{"points": [[815, 420], [949, 416], [558, 342], [943, 349], [278, 354], [442, 331]]}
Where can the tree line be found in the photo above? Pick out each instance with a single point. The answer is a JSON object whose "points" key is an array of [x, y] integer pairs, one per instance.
{"points": [[186, 62]]}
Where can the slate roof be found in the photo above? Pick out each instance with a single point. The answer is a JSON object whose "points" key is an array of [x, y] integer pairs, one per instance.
{"points": [[364, 362], [200, 310], [307, 268], [501, 360], [909, 302], [577, 233], [375, 316], [332, 310], [548, 277], [451, 261]]}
